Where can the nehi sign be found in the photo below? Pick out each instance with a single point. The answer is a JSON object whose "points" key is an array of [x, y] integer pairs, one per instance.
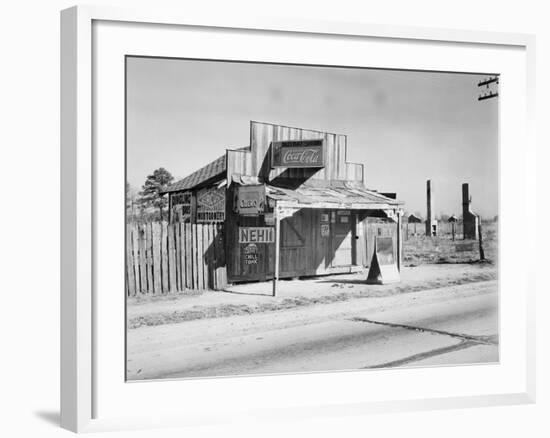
{"points": [[256, 235], [298, 153]]}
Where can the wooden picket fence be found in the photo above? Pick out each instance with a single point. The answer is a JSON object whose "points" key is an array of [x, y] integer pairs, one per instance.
{"points": [[163, 258]]}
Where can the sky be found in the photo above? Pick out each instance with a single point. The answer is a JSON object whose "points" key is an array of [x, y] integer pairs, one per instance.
{"points": [[405, 126]]}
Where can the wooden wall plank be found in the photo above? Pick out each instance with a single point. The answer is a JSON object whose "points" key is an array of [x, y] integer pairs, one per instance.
{"points": [[195, 257], [205, 229], [188, 258], [135, 251], [149, 257], [207, 256], [156, 257], [130, 263], [171, 259], [142, 258], [216, 249], [212, 252], [164, 257], [181, 247], [200, 257], [176, 231]]}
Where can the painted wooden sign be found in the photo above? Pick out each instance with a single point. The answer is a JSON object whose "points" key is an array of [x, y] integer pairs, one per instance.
{"points": [[256, 234], [251, 200], [298, 153]]}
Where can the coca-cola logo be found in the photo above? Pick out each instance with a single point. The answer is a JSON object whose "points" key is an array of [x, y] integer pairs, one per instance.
{"points": [[302, 156], [298, 153]]}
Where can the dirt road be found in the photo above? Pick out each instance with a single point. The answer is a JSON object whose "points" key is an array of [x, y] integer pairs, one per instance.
{"points": [[450, 325]]}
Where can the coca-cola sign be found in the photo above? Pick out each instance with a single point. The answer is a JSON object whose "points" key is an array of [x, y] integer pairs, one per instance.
{"points": [[298, 153]]}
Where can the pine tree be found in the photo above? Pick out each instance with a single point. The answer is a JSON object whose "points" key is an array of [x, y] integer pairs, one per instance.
{"points": [[131, 203], [150, 196]]}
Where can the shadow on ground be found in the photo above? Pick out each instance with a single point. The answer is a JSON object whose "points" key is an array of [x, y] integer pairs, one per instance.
{"points": [[51, 417]]}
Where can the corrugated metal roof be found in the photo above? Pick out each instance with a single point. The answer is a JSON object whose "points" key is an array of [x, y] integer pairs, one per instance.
{"points": [[351, 197], [205, 173]]}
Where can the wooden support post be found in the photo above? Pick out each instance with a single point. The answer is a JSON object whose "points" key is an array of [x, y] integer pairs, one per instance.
{"points": [[277, 250], [193, 207], [481, 251], [399, 241]]}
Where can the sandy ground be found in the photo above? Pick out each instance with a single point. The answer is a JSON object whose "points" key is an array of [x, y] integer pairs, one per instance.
{"points": [[453, 324], [252, 298]]}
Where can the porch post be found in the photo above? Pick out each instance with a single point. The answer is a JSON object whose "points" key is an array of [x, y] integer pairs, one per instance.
{"points": [[399, 241], [277, 250]]}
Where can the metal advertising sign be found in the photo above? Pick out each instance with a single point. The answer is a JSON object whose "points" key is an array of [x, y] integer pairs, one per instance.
{"points": [[250, 254], [325, 230], [256, 234], [269, 218], [383, 269], [384, 250], [298, 153], [211, 200], [251, 200]]}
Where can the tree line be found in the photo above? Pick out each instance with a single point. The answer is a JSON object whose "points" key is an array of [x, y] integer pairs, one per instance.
{"points": [[149, 204]]}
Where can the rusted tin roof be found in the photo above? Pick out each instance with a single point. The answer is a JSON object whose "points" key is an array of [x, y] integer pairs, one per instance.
{"points": [[348, 196]]}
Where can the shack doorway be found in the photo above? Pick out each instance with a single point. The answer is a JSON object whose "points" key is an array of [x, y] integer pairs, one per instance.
{"points": [[294, 236], [341, 242]]}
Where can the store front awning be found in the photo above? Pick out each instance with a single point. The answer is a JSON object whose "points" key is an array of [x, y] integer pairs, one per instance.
{"points": [[348, 197]]}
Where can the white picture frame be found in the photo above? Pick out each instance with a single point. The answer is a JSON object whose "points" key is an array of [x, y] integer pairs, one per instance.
{"points": [[83, 370]]}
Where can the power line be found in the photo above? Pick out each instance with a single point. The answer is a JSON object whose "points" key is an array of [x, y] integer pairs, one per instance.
{"points": [[491, 88]]}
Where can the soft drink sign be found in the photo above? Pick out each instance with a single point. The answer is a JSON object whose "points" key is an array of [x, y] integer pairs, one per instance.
{"points": [[256, 235], [298, 153]]}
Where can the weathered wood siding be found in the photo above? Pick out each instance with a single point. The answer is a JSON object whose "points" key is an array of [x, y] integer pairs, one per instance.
{"points": [[163, 258], [256, 162], [304, 251]]}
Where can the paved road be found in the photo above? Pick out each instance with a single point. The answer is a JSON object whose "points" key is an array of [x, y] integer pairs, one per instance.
{"points": [[453, 325]]}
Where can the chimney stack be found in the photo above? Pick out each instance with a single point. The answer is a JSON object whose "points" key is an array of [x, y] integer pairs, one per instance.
{"points": [[470, 220], [431, 222]]}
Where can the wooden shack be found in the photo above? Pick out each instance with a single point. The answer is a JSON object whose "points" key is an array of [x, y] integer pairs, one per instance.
{"points": [[291, 204]]}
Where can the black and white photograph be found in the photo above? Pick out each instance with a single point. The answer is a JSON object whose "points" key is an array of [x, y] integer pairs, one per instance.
{"points": [[287, 218]]}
